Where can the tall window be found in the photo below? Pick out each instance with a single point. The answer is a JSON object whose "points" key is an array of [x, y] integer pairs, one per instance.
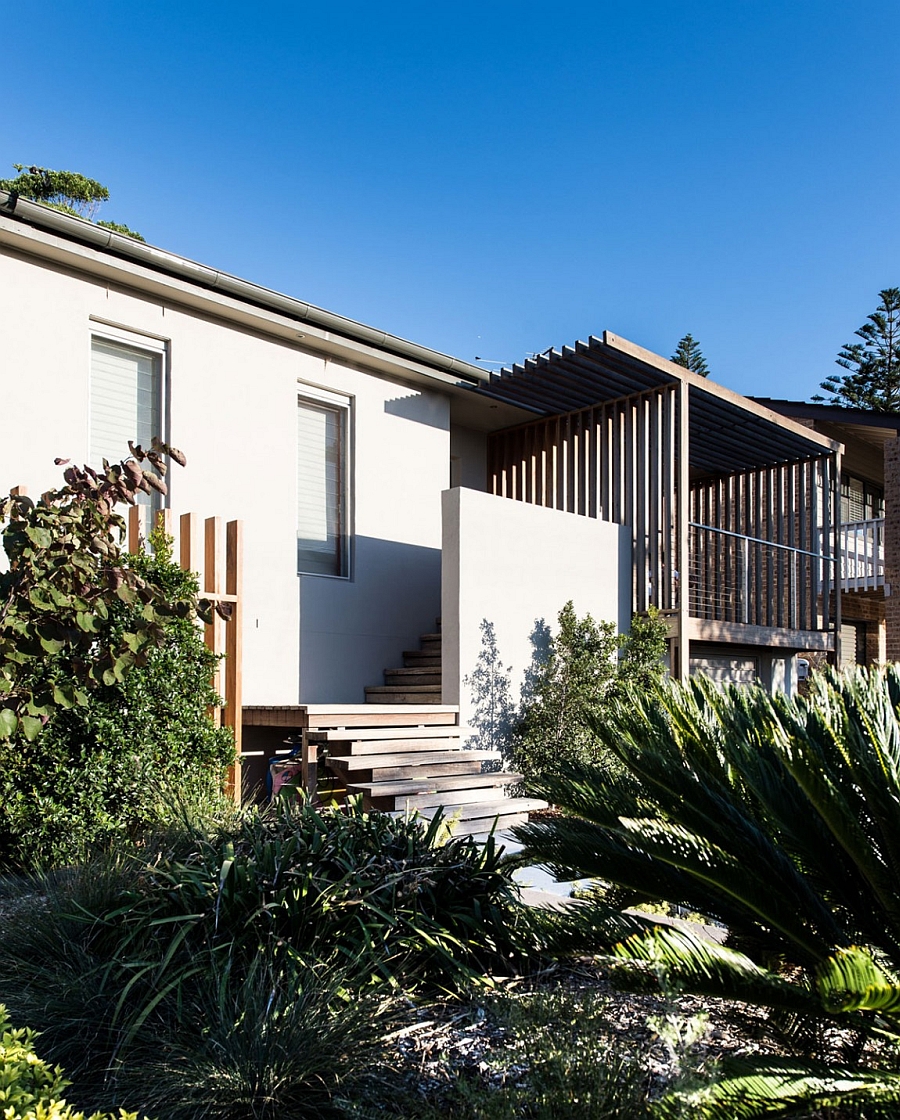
{"points": [[860, 501], [321, 488], [126, 401]]}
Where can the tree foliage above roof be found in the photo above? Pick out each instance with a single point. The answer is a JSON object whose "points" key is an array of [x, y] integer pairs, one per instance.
{"points": [[873, 380], [68, 191], [689, 355]]}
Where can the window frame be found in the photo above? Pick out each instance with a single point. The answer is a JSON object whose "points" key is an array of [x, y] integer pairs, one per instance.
{"points": [[342, 406], [145, 343]]}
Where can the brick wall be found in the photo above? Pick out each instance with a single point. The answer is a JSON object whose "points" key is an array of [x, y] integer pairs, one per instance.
{"points": [[892, 546], [868, 607]]}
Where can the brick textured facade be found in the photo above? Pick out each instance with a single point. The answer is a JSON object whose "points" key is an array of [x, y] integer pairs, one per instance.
{"points": [[867, 607], [892, 546]]}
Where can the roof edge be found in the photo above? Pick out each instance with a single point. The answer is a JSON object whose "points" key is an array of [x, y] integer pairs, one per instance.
{"points": [[171, 264], [695, 381]]}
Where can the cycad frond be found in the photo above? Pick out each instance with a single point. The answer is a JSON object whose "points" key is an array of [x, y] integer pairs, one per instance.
{"points": [[748, 1089]]}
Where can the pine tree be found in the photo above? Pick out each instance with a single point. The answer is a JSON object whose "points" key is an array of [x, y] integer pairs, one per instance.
{"points": [[874, 364], [688, 355], [68, 191]]}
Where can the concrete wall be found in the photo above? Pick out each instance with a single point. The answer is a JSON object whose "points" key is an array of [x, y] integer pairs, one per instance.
{"points": [[515, 565], [468, 458], [232, 409]]}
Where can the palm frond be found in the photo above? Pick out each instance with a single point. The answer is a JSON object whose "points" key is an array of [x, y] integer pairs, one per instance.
{"points": [[749, 1089], [676, 960]]}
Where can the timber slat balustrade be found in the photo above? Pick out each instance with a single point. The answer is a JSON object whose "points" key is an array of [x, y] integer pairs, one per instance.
{"points": [[215, 551], [761, 547]]}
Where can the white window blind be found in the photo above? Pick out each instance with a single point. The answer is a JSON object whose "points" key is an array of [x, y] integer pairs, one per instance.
{"points": [[126, 402], [321, 498], [125, 399]]}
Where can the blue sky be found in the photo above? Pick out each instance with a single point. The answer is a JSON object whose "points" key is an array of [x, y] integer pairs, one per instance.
{"points": [[493, 179]]}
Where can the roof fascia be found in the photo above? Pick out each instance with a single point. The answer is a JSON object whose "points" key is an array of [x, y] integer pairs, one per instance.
{"points": [[704, 385], [836, 414], [102, 252]]}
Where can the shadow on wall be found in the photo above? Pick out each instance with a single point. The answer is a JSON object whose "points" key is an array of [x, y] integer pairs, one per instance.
{"points": [[496, 710], [419, 408], [352, 629]]}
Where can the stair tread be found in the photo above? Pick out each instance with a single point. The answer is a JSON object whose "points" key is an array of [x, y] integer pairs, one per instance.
{"points": [[413, 671], [358, 734], [459, 798], [402, 696], [380, 761], [432, 785], [385, 688], [482, 809], [430, 637], [397, 746]]}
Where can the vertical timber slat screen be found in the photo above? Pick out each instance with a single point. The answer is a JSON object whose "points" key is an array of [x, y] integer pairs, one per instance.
{"points": [[612, 461], [760, 546], [760, 540], [215, 551]]}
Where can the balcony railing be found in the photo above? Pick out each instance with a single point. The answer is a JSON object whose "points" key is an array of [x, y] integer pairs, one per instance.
{"points": [[862, 555], [735, 578]]}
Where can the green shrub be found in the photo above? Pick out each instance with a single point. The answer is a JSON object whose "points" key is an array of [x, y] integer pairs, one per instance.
{"points": [[279, 1039], [379, 892], [29, 1088], [780, 819], [586, 668], [94, 773]]}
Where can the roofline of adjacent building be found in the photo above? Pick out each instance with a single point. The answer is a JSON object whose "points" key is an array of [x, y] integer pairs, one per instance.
{"points": [[121, 247], [819, 410]]}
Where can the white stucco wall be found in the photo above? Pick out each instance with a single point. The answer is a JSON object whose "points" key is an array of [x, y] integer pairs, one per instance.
{"points": [[232, 395], [513, 565]]}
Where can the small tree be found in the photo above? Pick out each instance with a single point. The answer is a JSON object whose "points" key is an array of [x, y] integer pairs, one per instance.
{"points": [[873, 380], [79, 732], [688, 355], [586, 667], [68, 191]]}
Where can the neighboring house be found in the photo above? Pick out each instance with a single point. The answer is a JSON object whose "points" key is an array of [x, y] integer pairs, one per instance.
{"points": [[373, 476], [870, 525]]}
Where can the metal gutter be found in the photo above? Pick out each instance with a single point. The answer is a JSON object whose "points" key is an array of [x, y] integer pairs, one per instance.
{"points": [[85, 232]]}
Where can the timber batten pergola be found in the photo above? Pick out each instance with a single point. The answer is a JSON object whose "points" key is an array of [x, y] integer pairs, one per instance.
{"points": [[733, 508]]}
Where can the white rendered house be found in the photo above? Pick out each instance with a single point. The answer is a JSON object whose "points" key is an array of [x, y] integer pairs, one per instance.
{"points": [[374, 475]]}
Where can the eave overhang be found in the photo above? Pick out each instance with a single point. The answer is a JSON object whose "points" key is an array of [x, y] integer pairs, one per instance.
{"points": [[728, 432]]}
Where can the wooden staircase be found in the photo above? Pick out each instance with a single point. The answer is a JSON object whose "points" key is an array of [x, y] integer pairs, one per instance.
{"points": [[418, 682], [403, 760]]}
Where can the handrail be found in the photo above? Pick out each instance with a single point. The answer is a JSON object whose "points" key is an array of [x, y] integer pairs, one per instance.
{"points": [[759, 540]]}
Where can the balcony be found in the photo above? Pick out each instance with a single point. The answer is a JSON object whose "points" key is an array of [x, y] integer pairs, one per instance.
{"points": [[739, 579], [862, 555]]}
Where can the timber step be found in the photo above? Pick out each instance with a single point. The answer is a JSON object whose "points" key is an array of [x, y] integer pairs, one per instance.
{"points": [[424, 694], [452, 790], [376, 734], [418, 681], [471, 820], [421, 674], [415, 761], [362, 748], [415, 658], [411, 760], [433, 785]]}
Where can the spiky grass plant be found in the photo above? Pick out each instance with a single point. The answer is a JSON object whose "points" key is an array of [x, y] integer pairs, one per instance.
{"points": [[211, 914], [780, 819], [284, 1039]]}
